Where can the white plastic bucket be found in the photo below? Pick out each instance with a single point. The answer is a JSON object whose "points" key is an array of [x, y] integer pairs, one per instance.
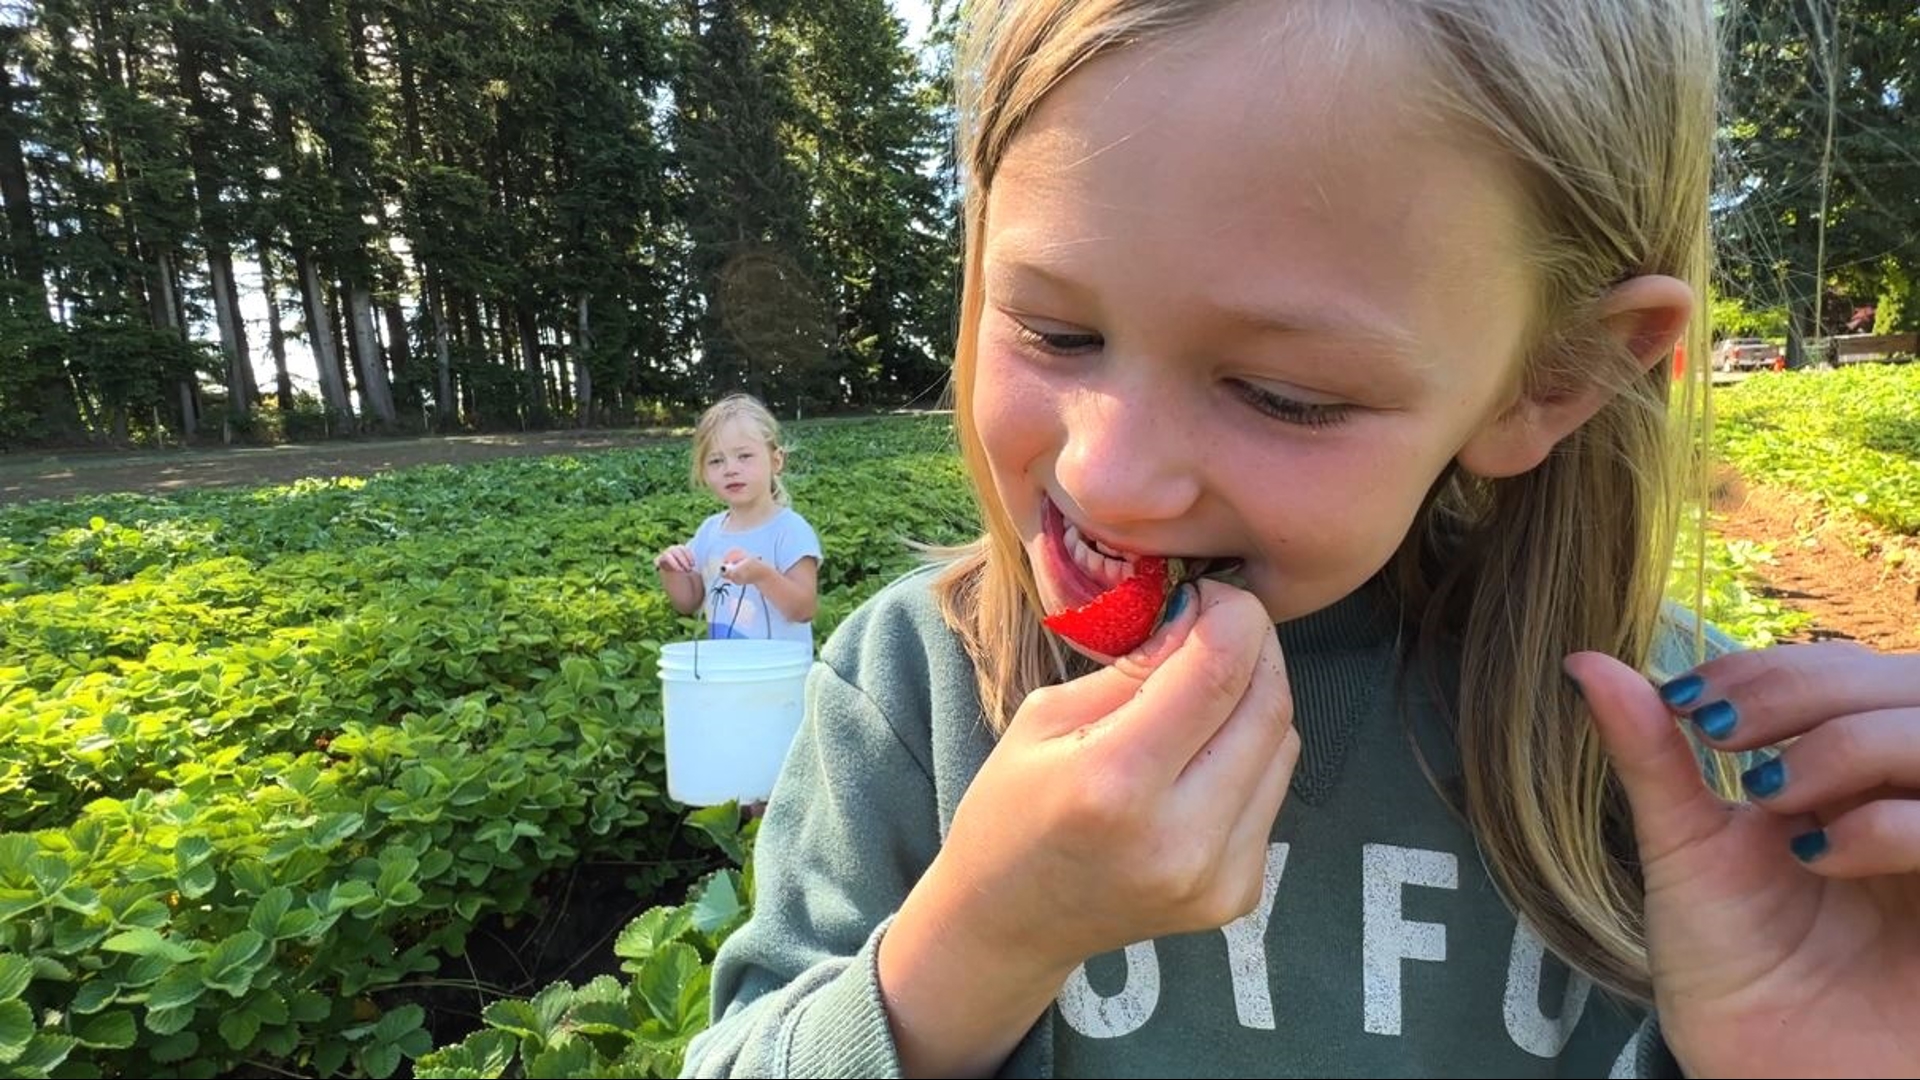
{"points": [[731, 708]]}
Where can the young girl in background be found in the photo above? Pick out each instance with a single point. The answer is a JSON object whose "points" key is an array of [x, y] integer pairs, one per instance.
{"points": [[1374, 300], [754, 565]]}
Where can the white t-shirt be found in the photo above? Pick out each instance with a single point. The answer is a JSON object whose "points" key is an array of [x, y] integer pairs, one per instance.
{"points": [[740, 611]]}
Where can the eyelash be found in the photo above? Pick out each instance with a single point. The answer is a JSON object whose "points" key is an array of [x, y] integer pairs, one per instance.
{"points": [[1284, 409]]}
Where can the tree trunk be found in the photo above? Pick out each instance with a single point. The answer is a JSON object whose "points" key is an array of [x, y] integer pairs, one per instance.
{"points": [[276, 337], [376, 389], [582, 375], [326, 358], [530, 358], [445, 410], [242, 391]]}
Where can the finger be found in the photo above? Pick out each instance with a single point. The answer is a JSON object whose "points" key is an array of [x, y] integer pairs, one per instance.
{"points": [[1876, 838], [1056, 710], [1845, 758], [1238, 755], [1758, 697], [1672, 805], [1248, 838], [1186, 700]]}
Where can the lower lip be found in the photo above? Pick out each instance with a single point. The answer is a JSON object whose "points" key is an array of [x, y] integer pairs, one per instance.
{"points": [[1066, 577]]}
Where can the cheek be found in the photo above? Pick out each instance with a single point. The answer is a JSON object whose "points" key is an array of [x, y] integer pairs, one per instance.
{"points": [[1014, 411]]}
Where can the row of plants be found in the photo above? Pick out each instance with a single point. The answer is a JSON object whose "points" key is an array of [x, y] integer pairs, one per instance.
{"points": [[1849, 437], [270, 758]]}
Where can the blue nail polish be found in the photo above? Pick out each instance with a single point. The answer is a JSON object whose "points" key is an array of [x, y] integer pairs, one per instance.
{"points": [[1683, 691], [1716, 719], [1177, 603], [1765, 780], [1809, 846]]}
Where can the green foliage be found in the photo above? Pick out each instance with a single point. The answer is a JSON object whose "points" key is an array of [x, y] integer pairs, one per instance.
{"points": [[1850, 438], [1735, 317], [1725, 594], [638, 1027], [269, 756]]}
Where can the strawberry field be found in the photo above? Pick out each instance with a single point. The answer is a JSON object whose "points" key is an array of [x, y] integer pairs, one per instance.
{"points": [[364, 777], [1849, 437], [298, 780]]}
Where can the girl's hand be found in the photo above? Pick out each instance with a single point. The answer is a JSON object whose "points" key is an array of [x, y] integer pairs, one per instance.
{"points": [[1785, 930], [742, 568], [1134, 802], [677, 559]]}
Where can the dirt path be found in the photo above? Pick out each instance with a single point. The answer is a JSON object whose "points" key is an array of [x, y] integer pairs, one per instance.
{"points": [[1859, 582], [24, 477]]}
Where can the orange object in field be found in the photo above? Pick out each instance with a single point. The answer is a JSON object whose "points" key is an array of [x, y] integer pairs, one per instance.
{"points": [[1679, 359]]}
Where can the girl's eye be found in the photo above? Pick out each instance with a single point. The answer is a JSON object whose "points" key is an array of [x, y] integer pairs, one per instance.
{"points": [[1291, 410], [1056, 342]]}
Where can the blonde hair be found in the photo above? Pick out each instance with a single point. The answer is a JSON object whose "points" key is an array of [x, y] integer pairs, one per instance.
{"points": [[1605, 110], [738, 407]]}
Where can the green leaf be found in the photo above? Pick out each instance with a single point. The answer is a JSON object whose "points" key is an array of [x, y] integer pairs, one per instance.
{"points": [[719, 905], [44, 1053], [308, 1007], [659, 983], [569, 1057], [336, 829], [15, 973], [239, 1029], [269, 910], [330, 1055], [231, 964], [397, 1023], [52, 970], [268, 1006], [178, 1046], [95, 994], [181, 985], [640, 938], [107, 1031], [380, 1061], [190, 852], [145, 941], [167, 1021], [198, 881], [49, 873], [516, 1017], [16, 1027]]}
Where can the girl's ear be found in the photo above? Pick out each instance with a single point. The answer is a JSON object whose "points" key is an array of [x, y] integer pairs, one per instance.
{"points": [[1644, 315]]}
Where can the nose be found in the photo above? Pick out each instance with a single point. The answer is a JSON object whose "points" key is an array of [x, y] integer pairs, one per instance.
{"points": [[1132, 453]]}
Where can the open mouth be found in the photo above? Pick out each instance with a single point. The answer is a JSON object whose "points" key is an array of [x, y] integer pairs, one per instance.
{"points": [[1081, 568]]}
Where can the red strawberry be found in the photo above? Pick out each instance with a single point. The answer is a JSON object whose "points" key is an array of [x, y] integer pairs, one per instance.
{"points": [[1119, 620]]}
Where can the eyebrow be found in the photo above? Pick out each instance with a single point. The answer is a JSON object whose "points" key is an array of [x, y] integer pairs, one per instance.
{"points": [[1352, 323]]}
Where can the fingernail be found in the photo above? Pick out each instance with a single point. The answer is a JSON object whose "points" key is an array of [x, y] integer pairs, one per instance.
{"points": [[1809, 846], [1177, 603], [1765, 780], [1683, 691], [1716, 720]]}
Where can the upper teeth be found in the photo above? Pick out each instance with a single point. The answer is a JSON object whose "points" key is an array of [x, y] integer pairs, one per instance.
{"points": [[1099, 565]]}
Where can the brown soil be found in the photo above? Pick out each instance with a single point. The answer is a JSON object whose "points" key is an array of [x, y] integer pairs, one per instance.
{"points": [[64, 474], [1860, 582]]}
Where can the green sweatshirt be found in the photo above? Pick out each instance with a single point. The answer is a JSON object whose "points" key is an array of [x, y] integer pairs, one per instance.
{"points": [[1379, 948]]}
